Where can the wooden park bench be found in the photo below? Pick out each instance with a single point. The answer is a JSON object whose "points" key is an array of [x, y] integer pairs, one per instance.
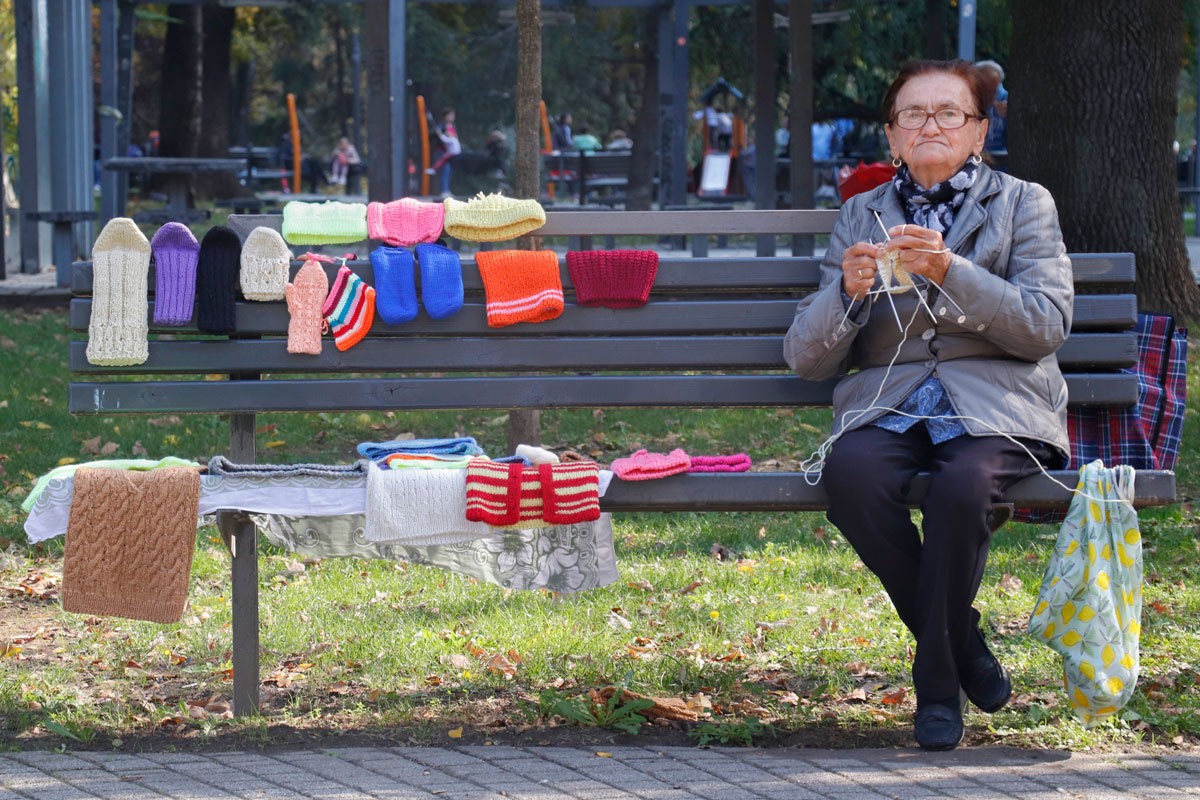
{"points": [[711, 336], [595, 177]]}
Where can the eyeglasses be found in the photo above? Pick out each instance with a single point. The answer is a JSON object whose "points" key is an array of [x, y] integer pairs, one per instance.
{"points": [[948, 119]]}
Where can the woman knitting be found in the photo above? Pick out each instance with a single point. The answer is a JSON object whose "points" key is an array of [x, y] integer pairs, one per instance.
{"points": [[944, 294]]}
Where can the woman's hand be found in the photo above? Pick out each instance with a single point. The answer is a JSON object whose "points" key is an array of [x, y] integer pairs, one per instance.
{"points": [[858, 268], [922, 251]]}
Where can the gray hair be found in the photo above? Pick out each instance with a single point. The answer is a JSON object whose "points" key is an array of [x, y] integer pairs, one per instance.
{"points": [[989, 64]]}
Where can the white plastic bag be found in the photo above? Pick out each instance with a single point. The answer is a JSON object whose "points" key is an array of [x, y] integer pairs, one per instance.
{"points": [[1089, 608]]}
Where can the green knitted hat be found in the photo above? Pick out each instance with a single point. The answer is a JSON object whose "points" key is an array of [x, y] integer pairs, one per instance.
{"points": [[324, 223]]}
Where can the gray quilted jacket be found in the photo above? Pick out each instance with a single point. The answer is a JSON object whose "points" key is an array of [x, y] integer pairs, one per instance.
{"points": [[1004, 309]]}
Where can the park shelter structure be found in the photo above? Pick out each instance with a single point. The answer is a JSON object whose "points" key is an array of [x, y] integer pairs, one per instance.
{"points": [[54, 79]]}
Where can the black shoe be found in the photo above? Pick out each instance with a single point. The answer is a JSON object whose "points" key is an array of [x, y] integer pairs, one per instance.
{"points": [[939, 726], [986, 682]]}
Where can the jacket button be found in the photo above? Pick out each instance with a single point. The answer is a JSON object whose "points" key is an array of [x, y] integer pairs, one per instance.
{"points": [[942, 311], [931, 362], [929, 334], [961, 319], [980, 327]]}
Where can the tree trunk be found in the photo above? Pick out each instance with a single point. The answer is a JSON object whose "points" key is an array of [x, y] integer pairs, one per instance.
{"points": [[640, 194], [179, 109], [1092, 119], [524, 426], [216, 81]]}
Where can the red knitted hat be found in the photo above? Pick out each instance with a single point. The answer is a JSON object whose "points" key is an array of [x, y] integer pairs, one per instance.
{"points": [[612, 278], [405, 222], [644, 466], [520, 285]]}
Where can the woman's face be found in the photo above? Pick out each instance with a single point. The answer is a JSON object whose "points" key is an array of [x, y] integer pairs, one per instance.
{"points": [[933, 154]]}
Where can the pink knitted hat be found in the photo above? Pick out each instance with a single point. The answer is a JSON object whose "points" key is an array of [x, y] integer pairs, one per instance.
{"points": [[738, 462], [644, 466], [612, 278], [405, 222]]}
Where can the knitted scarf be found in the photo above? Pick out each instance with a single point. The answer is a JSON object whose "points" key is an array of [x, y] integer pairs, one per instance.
{"points": [[935, 207]]}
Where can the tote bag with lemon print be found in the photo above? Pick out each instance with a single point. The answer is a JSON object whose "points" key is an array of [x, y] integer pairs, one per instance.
{"points": [[1089, 608]]}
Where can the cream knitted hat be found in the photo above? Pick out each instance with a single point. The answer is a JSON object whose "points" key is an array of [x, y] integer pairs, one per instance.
{"points": [[265, 262], [492, 218], [324, 223], [419, 507], [118, 328]]}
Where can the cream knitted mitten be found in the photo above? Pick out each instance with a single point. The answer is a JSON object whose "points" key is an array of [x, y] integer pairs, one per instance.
{"points": [[117, 331]]}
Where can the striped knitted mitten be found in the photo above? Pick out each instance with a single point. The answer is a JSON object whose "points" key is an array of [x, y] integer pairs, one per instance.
{"points": [[349, 309]]}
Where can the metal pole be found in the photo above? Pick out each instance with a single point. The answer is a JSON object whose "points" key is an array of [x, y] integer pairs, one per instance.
{"points": [[800, 114], [110, 119], [126, 20], [764, 104], [966, 30], [27, 132], [387, 165], [356, 95], [1195, 154]]}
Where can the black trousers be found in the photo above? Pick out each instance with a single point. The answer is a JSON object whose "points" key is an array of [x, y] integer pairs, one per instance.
{"points": [[931, 580]]}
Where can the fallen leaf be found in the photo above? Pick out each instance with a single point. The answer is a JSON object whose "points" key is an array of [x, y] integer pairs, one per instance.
{"points": [[894, 698], [602, 754], [1009, 584], [62, 462], [455, 734], [691, 587], [645, 586], [859, 695], [339, 687]]}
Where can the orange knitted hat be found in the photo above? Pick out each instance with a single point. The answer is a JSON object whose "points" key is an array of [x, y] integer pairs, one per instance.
{"points": [[520, 285]]}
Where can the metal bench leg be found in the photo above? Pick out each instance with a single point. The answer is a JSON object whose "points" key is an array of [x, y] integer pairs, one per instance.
{"points": [[241, 536], [62, 253]]}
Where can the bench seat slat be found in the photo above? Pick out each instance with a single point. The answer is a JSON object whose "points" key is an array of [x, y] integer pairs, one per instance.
{"points": [[1092, 312], [1085, 350], [560, 391], [789, 491], [762, 274]]}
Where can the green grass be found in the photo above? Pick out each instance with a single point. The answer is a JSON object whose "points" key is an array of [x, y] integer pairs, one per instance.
{"points": [[795, 643]]}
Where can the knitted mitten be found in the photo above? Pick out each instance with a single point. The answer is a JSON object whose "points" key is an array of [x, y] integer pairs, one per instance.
{"points": [[644, 466], [304, 296], [176, 253], [395, 287], [324, 223], [493, 218], [265, 263], [349, 309], [216, 280], [441, 280], [117, 329], [405, 222], [520, 285], [612, 278]]}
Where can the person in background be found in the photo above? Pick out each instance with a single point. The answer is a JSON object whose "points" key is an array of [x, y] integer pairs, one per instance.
{"points": [[563, 138], [824, 135], [619, 140], [957, 376], [724, 129], [997, 138], [783, 139], [450, 149], [586, 141], [344, 154]]}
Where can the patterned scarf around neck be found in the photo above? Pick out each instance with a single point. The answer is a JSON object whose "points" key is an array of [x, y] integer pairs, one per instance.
{"points": [[935, 207]]}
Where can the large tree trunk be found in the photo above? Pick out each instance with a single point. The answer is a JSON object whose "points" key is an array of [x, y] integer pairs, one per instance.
{"points": [[216, 82], [1092, 118], [524, 426], [640, 194], [182, 74]]}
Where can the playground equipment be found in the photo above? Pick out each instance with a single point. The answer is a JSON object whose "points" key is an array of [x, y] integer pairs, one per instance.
{"points": [[720, 177]]}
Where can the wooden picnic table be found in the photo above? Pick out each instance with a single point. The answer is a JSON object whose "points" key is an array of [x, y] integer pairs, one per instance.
{"points": [[177, 173]]}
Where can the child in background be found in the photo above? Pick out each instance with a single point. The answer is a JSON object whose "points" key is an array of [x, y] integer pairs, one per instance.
{"points": [[450, 148], [343, 156]]}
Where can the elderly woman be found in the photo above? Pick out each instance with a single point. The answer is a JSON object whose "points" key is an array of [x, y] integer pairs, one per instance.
{"points": [[955, 375]]}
